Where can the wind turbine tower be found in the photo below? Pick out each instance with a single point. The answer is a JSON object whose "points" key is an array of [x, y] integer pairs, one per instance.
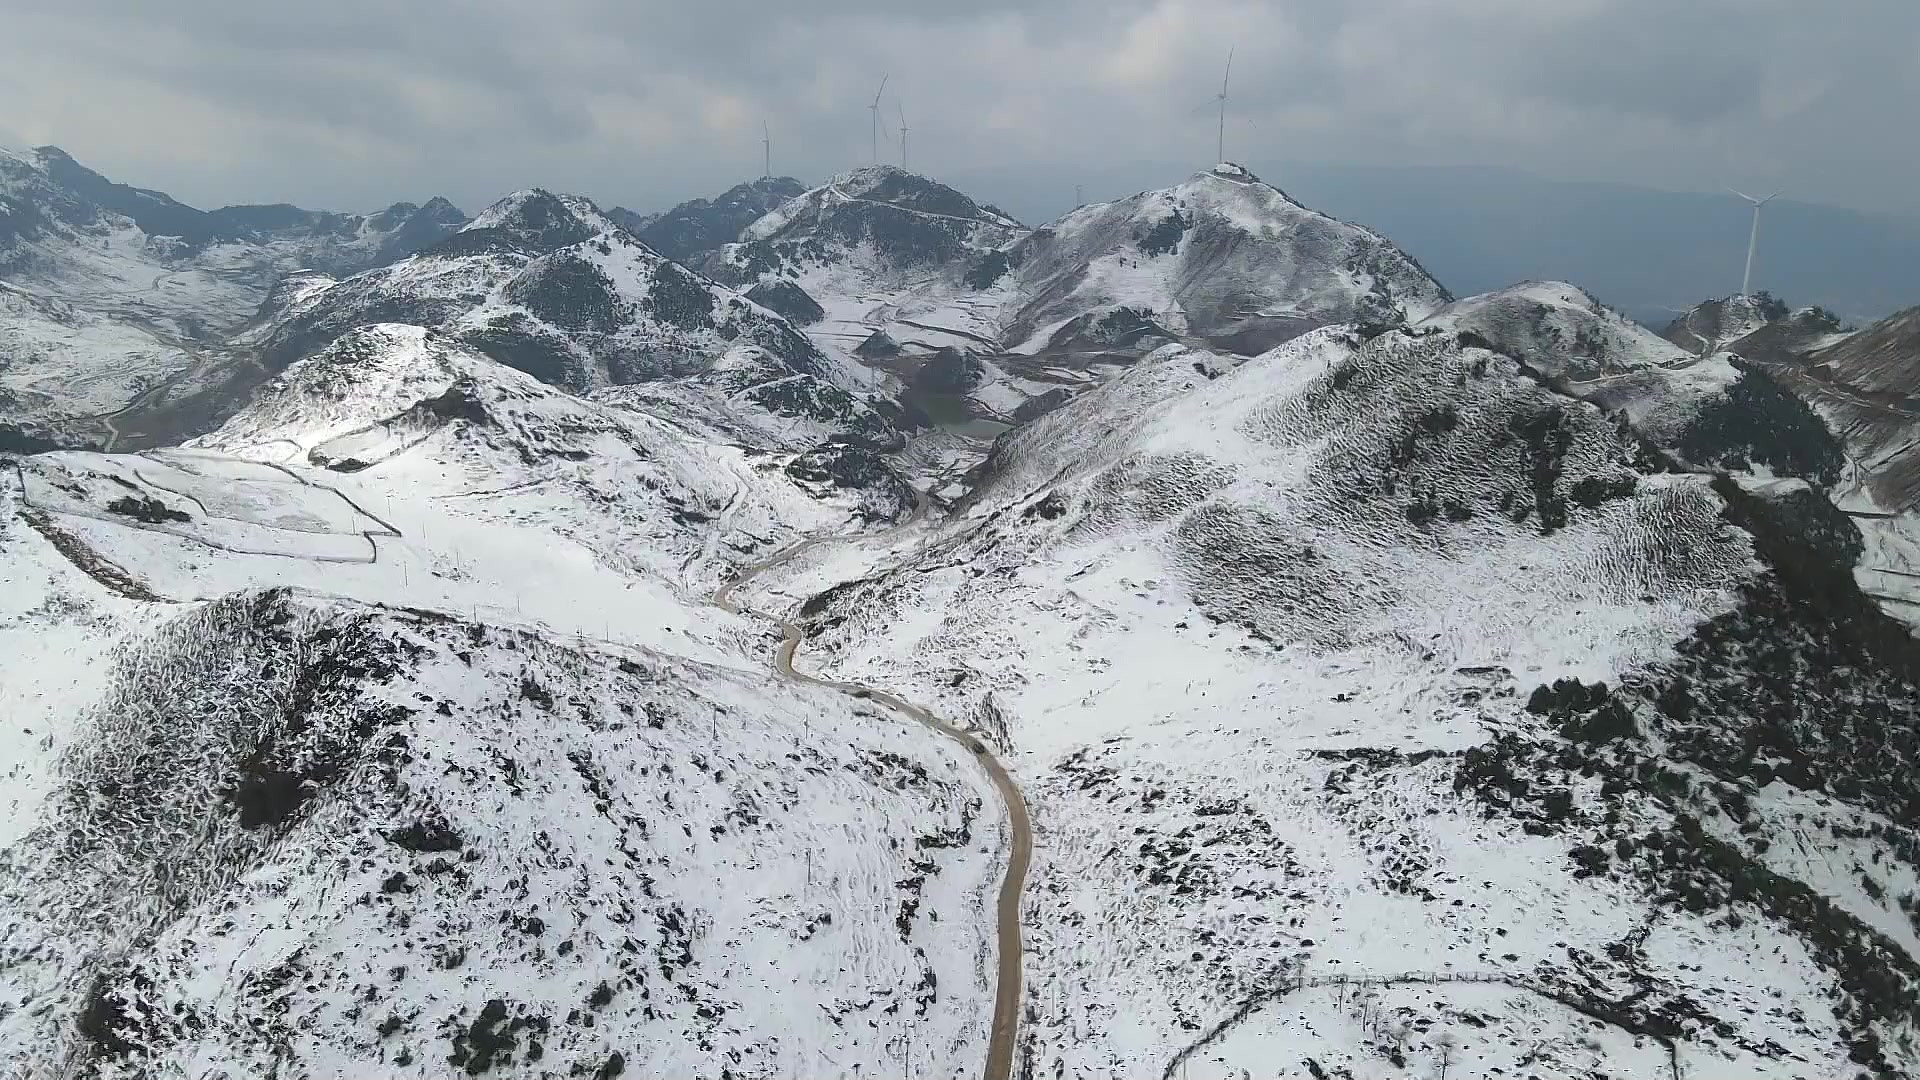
{"points": [[1221, 154], [873, 112], [903, 131], [1753, 237], [766, 145]]}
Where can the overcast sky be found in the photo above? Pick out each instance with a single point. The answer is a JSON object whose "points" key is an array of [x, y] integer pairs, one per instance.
{"points": [[357, 103]]}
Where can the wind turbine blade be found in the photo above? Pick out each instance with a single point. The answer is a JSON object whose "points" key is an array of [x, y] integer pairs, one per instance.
{"points": [[1743, 195], [1769, 198], [903, 111], [1229, 74], [882, 90]]}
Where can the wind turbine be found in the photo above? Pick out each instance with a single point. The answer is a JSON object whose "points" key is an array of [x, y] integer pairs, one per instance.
{"points": [[873, 111], [1753, 236], [766, 144], [903, 131], [1222, 154]]}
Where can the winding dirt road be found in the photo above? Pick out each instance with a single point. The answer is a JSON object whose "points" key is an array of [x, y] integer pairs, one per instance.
{"points": [[1006, 1004]]}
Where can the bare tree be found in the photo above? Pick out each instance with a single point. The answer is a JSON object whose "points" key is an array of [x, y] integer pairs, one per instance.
{"points": [[1448, 1043]]}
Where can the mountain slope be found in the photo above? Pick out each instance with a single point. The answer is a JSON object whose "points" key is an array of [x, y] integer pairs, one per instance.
{"points": [[590, 836], [401, 405], [699, 227], [1284, 653], [1865, 387]]}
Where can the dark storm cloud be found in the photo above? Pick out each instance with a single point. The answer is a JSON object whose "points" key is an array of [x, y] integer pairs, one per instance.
{"points": [[358, 102]]}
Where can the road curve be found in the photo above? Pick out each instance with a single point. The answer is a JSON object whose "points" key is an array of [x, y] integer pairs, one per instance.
{"points": [[1003, 1037]]}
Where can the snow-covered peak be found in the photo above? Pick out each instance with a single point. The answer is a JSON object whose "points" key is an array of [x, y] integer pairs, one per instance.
{"points": [[1561, 329], [907, 217], [531, 221], [911, 191], [1222, 257], [1717, 324], [367, 376], [603, 310]]}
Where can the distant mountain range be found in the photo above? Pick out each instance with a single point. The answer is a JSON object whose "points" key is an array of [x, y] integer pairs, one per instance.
{"points": [[115, 301], [1649, 253]]}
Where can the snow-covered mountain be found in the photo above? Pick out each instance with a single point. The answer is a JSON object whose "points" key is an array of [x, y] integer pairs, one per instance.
{"points": [[547, 284], [879, 224], [1758, 327], [1715, 410], [1868, 385], [972, 313], [469, 794], [1865, 383], [1223, 259], [114, 299], [870, 250], [50, 196], [1384, 706], [699, 227]]}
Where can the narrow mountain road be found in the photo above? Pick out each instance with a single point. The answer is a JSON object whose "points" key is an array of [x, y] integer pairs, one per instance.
{"points": [[1003, 1038]]}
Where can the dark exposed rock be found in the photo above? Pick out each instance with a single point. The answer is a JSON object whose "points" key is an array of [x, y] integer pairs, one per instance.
{"points": [[787, 300], [147, 509]]}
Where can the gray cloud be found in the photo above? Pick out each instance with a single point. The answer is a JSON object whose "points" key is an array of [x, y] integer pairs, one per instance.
{"points": [[359, 102]]}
